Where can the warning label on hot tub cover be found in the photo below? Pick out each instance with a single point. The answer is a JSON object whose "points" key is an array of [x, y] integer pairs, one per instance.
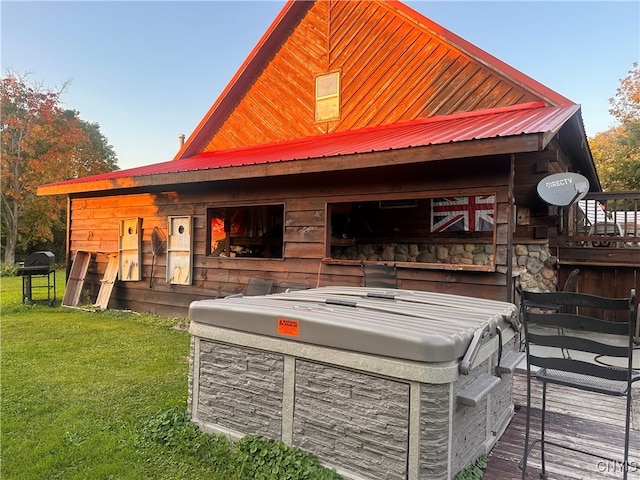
{"points": [[287, 326]]}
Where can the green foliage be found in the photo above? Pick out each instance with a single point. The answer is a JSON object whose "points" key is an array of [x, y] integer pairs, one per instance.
{"points": [[172, 429], [252, 457], [264, 459], [102, 395], [616, 152], [41, 143], [8, 269], [475, 471]]}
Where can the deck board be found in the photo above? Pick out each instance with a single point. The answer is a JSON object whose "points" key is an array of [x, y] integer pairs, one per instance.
{"points": [[581, 419]]}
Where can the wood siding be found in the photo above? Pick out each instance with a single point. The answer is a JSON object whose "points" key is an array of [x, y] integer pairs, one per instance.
{"points": [[529, 168], [599, 278], [94, 228], [391, 69]]}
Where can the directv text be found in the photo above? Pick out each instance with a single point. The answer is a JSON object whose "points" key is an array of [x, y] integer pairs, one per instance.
{"points": [[559, 183]]}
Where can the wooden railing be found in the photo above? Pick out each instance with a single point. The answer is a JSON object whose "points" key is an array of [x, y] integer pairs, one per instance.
{"points": [[601, 239], [602, 230], [604, 220]]}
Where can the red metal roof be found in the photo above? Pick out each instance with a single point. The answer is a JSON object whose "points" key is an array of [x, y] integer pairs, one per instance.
{"points": [[533, 118]]}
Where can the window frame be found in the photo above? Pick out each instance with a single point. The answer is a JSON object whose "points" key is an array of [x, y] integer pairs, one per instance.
{"points": [[210, 215], [329, 103], [402, 201]]}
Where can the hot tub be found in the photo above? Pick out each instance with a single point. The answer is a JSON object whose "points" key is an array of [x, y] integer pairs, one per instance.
{"points": [[377, 383]]}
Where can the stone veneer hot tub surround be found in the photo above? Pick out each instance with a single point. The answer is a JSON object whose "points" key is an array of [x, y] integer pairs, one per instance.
{"points": [[370, 416]]}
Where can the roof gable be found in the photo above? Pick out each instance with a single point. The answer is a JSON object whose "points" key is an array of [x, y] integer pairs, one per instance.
{"points": [[395, 65]]}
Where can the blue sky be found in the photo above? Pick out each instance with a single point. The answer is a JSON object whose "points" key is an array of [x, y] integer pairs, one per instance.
{"points": [[148, 71]]}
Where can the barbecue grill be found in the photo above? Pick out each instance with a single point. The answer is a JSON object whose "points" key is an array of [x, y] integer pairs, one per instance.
{"points": [[38, 265], [378, 383]]}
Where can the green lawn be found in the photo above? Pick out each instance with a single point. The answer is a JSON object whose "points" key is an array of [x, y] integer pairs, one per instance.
{"points": [[102, 395]]}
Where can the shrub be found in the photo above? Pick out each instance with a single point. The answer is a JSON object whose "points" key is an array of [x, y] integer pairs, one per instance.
{"points": [[475, 471], [8, 269], [172, 428], [253, 457], [263, 459]]}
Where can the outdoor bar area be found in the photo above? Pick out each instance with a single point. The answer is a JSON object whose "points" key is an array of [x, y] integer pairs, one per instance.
{"points": [[377, 383]]}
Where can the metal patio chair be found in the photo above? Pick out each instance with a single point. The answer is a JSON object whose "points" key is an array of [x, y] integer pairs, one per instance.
{"points": [[258, 286], [575, 317], [376, 275], [290, 287], [569, 286]]}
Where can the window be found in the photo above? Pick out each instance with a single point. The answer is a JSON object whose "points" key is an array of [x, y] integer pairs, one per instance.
{"points": [[246, 231], [444, 230], [328, 97]]}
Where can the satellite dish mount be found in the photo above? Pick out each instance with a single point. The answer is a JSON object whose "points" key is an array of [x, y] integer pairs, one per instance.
{"points": [[563, 190]]}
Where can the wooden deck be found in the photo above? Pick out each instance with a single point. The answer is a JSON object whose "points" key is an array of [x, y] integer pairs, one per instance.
{"points": [[590, 421]]}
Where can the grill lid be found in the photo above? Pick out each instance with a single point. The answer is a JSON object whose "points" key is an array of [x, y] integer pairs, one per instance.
{"points": [[38, 262]]}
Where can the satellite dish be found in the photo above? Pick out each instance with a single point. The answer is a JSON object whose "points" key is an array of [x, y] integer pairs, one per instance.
{"points": [[563, 189]]}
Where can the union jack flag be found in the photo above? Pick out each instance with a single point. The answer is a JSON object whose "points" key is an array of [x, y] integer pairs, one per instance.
{"points": [[462, 214]]}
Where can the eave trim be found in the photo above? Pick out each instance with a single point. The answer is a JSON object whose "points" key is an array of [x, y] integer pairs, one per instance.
{"points": [[404, 156]]}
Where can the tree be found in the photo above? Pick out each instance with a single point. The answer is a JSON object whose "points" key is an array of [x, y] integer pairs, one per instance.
{"points": [[616, 152], [41, 143], [625, 106]]}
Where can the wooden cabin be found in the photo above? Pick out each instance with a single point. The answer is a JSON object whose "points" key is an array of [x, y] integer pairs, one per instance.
{"points": [[355, 132]]}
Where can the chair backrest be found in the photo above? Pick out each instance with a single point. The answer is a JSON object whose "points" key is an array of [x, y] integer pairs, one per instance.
{"points": [[574, 327], [258, 286], [290, 287], [376, 275]]}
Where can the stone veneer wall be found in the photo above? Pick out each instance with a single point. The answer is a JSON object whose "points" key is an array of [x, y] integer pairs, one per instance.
{"points": [[453, 253], [537, 266], [241, 389], [354, 420]]}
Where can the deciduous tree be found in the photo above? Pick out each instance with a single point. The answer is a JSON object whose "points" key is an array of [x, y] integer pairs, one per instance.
{"points": [[41, 143], [616, 152]]}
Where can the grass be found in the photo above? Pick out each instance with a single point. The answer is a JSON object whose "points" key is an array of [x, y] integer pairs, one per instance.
{"points": [[102, 395]]}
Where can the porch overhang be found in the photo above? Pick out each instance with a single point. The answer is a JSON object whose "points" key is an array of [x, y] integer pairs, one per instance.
{"points": [[169, 180], [511, 130]]}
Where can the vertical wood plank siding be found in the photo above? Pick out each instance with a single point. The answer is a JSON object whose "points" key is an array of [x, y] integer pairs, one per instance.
{"points": [[94, 227]]}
